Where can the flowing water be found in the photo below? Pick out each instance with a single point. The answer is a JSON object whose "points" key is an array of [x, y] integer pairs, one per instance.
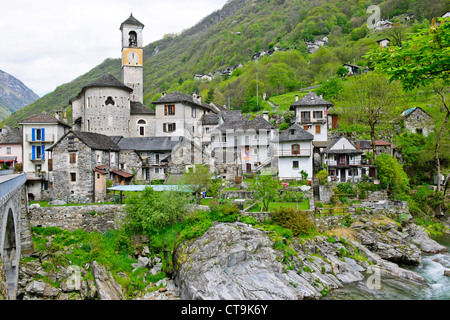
{"points": [[432, 269]]}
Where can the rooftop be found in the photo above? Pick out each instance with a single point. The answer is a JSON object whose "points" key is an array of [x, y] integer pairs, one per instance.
{"points": [[176, 97], [131, 21], [295, 133], [310, 99], [42, 118]]}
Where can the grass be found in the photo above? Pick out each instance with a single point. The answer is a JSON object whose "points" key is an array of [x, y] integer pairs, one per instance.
{"points": [[277, 205]]}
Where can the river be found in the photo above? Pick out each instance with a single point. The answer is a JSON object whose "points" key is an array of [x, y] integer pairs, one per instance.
{"points": [[432, 269]]}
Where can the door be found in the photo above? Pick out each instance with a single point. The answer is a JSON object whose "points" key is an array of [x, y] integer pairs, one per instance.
{"points": [[249, 167], [343, 175]]}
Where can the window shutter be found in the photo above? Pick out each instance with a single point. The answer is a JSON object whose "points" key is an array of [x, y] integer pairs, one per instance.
{"points": [[43, 134], [165, 110], [318, 129], [174, 127], [165, 127], [33, 153], [173, 110], [33, 134], [43, 152]]}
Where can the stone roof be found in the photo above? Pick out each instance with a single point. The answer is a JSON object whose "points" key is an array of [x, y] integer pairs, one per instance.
{"points": [[42, 118], [108, 81], [93, 140], [329, 150], [10, 135], [131, 21], [295, 133], [176, 97], [408, 112], [139, 108], [210, 119], [310, 99], [147, 143], [235, 120]]}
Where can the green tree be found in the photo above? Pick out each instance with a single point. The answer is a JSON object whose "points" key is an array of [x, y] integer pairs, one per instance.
{"points": [[150, 211], [265, 188], [369, 99], [198, 179], [422, 61], [391, 174]]}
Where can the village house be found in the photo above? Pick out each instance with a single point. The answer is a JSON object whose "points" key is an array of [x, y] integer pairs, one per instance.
{"points": [[40, 132], [241, 144], [416, 120], [295, 153], [383, 43], [343, 161], [311, 114], [80, 164], [10, 146]]}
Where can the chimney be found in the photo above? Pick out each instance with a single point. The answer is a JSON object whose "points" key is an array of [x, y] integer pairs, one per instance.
{"points": [[266, 115], [321, 96], [199, 98], [296, 97], [163, 94]]}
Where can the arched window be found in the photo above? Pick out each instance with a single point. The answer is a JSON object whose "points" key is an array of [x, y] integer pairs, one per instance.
{"points": [[132, 40], [141, 124]]}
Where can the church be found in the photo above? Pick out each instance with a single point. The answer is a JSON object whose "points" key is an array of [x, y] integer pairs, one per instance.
{"points": [[114, 136]]}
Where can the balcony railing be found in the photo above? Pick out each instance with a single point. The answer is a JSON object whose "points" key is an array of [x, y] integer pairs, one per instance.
{"points": [[343, 163], [289, 153], [36, 157], [47, 138], [304, 120]]}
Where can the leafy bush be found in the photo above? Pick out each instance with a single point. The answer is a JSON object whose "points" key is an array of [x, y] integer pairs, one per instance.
{"points": [[322, 176], [297, 221]]}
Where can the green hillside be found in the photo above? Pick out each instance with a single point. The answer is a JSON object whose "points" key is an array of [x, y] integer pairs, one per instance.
{"points": [[242, 28]]}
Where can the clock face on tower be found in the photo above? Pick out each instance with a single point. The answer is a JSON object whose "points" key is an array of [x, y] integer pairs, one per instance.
{"points": [[132, 57]]}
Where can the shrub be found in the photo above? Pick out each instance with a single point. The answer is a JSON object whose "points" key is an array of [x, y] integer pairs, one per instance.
{"points": [[322, 176], [297, 221]]}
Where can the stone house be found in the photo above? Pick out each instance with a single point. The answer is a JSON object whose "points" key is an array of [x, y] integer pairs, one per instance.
{"points": [[10, 146], [242, 144], [416, 120], [178, 114], [39, 133], [295, 153], [81, 163]]}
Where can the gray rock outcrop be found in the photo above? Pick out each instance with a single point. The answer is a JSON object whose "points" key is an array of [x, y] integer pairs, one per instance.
{"points": [[238, 262], [108, 288]]}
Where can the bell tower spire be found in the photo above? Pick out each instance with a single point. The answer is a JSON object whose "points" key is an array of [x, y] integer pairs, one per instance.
{"points": [[132, 57]]}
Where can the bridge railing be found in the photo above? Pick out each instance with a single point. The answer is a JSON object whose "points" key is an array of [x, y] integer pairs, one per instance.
{"points": [[10, 184]]}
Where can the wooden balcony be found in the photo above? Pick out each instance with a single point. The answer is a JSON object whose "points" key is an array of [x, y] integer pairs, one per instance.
{"points": [[289, 153]]}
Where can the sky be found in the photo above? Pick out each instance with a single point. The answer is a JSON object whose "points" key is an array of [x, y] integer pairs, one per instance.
{"points": [[48, 43]]}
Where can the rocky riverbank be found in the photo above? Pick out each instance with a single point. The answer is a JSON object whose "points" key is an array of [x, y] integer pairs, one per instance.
{"points": [[240, 262]]}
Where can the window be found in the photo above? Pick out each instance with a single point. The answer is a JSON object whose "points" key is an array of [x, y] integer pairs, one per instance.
{"points": [[70, 141], [206, 130], [292, 131], [141, 131], [255, 151], [194, 112], [419, 131], [110, 101], [8, 150], [98, 175], [156, 170], [306, 128], [294, 164], [295, 149], [169, 127], [73, 177], [132, 40], [318, 128], [73, 157], [169, 110], [317, 114], [305, 116], [333, 173]]}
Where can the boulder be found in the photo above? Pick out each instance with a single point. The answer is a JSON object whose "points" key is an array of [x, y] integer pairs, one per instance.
{"points": [[421, 239], [447, 273], [36, 287], [107, 287], [143, 262]]}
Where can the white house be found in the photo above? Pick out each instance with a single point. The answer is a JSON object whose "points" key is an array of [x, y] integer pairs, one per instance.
{"points": [[39, 133], [343, 161], [295, 153], [311, 114]]}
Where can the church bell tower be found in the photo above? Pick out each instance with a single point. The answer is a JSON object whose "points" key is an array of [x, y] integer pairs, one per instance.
{"points": [[132, 57]]}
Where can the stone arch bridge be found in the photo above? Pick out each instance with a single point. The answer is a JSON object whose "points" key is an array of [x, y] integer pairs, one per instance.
{"points": [[15, 233]]}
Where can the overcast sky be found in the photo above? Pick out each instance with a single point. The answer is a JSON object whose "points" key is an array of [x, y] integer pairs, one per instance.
{"points": [[47, 43]]}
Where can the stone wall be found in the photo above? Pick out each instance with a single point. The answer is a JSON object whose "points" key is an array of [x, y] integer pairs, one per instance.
{"points": [[89, 218], [3, 285]]}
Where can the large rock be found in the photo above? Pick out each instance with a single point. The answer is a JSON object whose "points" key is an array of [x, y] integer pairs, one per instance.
{"points": [[421, 239], [108, 288]]}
